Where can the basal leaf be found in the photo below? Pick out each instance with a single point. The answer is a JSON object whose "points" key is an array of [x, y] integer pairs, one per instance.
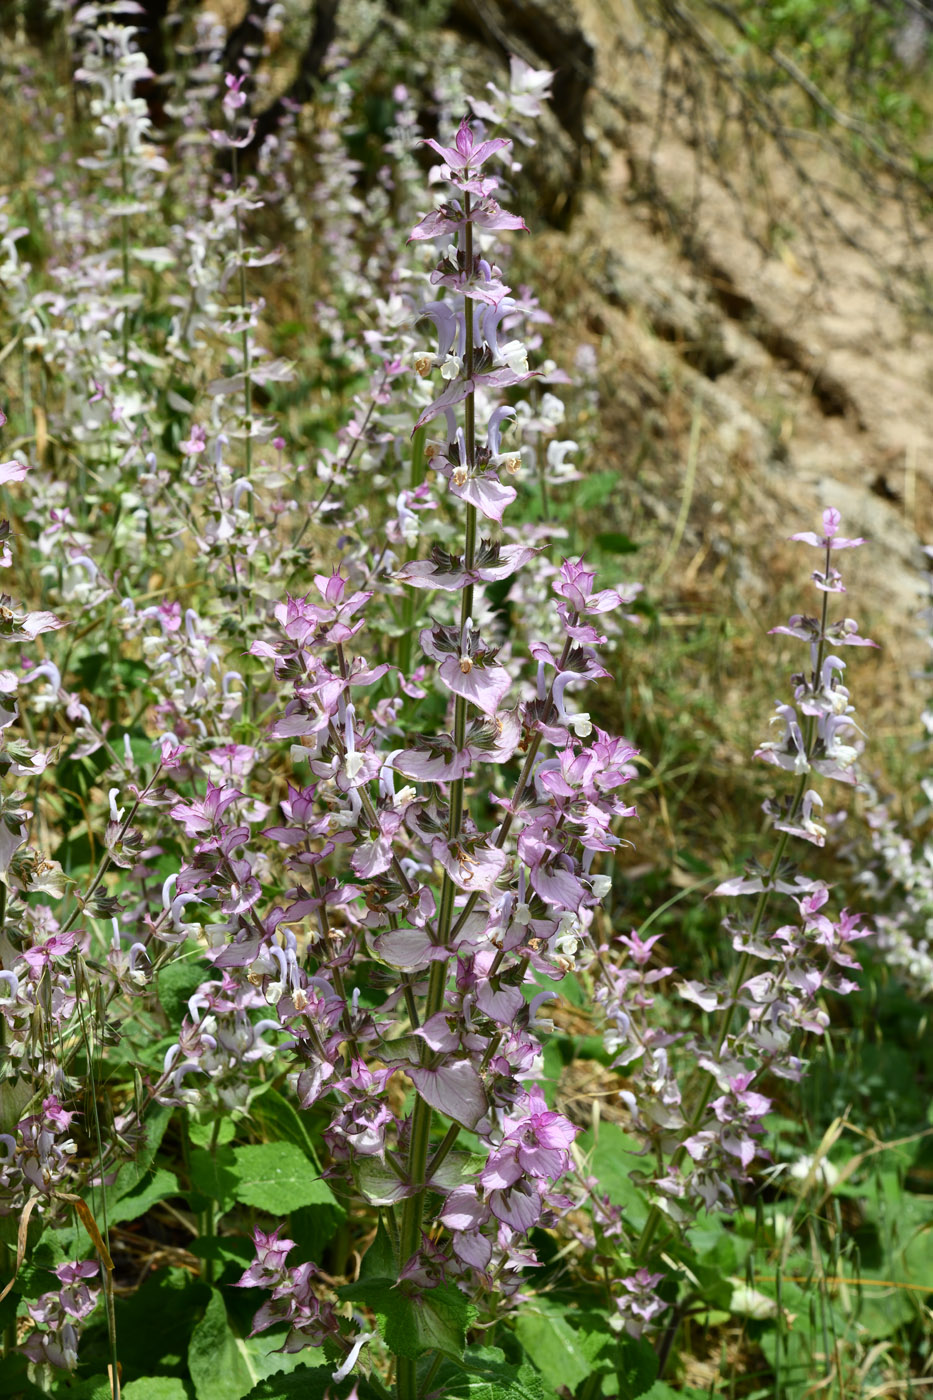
{"points": [[214, 1175], [306, 1384], [224, 1366], [612, 1160], [154, 1324], [436, 1321], [484, 1374], [156, 1187], [279, 1119], [157, 1388], [552, 1344], [278, 1177]]}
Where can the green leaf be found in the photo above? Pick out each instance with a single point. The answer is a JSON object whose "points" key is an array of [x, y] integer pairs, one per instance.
{"points": [[437, 1321], [596, 489], [484, 1374], [224, 1366], [305, 1384], [313, 1227], [154, 1325], [229, 1254], [636, 1367], [379, 1261], [214, 1175], [612, 1160], [713, 1261], [157, 1388], [279, 1119], [14, 1096], [179, 980], [157, 1187], [378, 1183], [155, 1123], [15, 1382], [569, 1345], [211, 1132], [133, 1185], [440, 1321], [552, 1344], [662, 1391], [94, 1388], [277, 1177], [614, 543]]}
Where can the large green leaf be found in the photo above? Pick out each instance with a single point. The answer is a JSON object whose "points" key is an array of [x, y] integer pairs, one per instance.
{"points": [[304, 1384], [158, 1186], [484, 1374], [555, 1347], [278, 1177], [157, 1388], [636, 1367], [436, 1321], [154, 1326], [224, 1366], [134, 1183], [214, 1176], [279, 1119], [15, 1382], [612, 1160]]}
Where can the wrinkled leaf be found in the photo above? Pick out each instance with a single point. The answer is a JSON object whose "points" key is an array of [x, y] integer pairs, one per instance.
{"points": [[224, 1366], [277, 1177]]}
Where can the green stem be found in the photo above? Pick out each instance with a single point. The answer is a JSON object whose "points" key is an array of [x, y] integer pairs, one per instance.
{"points": [[413, 1212], [453, 1132], [655, 1215], [124, 248], [741, 972], [524, 778], [83, 989], [407, 640], [9, 1331], [245, 347]]}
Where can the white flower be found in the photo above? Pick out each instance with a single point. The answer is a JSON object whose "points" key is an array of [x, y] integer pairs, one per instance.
{"points": [[353, 763], [515, 355], [551, 409]]}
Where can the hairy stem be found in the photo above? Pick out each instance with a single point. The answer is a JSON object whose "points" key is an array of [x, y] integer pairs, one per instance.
{"points": [[412, 1215]]}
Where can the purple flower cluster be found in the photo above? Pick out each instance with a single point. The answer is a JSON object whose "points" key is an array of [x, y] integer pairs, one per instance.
{"points": [[454, 917], [292, 1299], [695, 1099], [58, 1317]]}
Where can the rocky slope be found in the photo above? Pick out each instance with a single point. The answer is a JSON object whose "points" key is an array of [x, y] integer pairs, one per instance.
{"points": [[801, 360]]}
